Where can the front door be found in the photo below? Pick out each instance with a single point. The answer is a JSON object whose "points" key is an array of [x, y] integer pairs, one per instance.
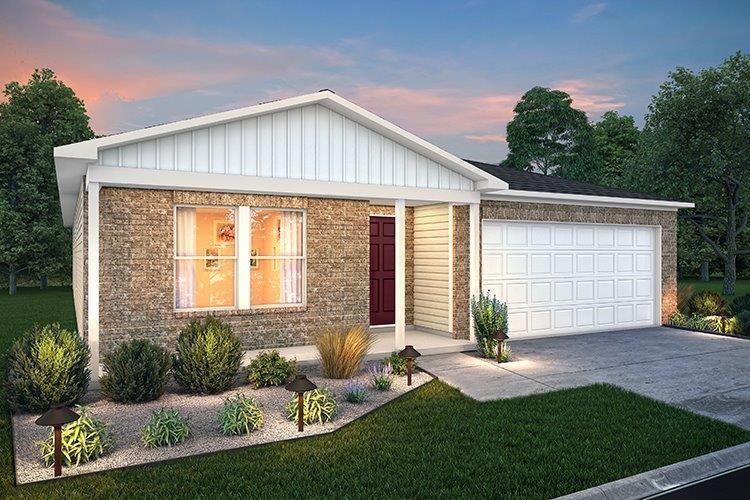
{"points": [[382, 271]]}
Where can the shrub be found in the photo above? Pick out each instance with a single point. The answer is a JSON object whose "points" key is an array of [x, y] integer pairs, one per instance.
{"points": [[490, 316], [355, 392], [381, 375], [84, 440], [270, 369], [398, 364], [318, 405], [343, 350], [166, 428], [707, 303], [240, 415], [740, 304], [684, 292], [208, 357], [743, 320], [47, 366], [505, 353], [136, 371]]}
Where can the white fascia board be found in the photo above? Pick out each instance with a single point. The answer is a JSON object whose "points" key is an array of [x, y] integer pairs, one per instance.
{"points": [[196, 181], [586, 200]]}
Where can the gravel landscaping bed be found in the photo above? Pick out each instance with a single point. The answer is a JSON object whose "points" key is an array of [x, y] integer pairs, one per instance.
{"points": [[125, 423]]}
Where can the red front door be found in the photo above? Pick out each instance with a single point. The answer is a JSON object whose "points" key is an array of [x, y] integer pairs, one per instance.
{"points": [[382, 271]]}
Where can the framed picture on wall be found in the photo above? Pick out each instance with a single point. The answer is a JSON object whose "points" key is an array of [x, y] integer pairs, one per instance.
{"points": [[253, 262], [209, 263], [223, 232]]}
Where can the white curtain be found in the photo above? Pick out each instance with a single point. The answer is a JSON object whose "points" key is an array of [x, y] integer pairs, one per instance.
{"points": [[186, 247], [290, 244]]}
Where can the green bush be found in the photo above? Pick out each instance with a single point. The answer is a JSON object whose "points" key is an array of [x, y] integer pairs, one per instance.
{"points": [[490, 316], [355, 392], [84, 440], [240, 415], [707, 303], [398, 364], [165, 428], [136, 371], [318, 405], [208, 357], [270, 369], [743, 320], [381, 375], [47, 366], [740, 304]]}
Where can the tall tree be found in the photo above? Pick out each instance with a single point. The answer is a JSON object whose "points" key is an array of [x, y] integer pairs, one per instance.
{"points": [[696, 146], [547, 134], [616, 142], [60, 118]]}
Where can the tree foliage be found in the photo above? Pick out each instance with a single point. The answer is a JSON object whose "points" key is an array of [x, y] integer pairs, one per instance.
{"points": [[616, 142]]}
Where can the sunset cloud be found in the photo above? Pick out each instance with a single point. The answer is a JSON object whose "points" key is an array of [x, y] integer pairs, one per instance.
{"points": [[590, 96], [486, 138]]}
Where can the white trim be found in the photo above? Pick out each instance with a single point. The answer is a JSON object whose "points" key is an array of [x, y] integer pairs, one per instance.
{"points": [[450, 267], [225, 183], [400, 302], [93, 278], [242, 227], [585, 200], [658, 278], [474, 256]]}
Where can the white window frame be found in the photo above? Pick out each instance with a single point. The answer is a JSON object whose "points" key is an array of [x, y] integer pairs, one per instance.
{"points": [[242, 257], [176, 257]]}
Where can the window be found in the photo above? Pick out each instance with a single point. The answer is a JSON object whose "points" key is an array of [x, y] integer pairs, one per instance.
{"points": [[205, 257], [238, 257], [277, 255]]}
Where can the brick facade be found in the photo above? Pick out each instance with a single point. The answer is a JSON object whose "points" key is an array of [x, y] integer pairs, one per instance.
{"points": [[136, 275], [461, 272]]}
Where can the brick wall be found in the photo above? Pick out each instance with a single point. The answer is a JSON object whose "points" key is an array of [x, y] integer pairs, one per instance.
{"points": [[461, 272], [546, 212], [137, 285]]}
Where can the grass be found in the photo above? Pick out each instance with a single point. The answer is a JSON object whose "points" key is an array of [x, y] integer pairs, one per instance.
{"points": [[717, 285], [433, 442]]}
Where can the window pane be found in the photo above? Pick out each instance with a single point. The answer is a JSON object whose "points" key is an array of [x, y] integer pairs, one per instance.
{"points": [[204, 283], [205, 231], [276, 233], [275, 281]]}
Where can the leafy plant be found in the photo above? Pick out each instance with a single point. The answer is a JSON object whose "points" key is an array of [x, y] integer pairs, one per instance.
{"points": [[398, 364], [741, 303], [490, 316], [342, 350], [743, 320], [355, 392], [136, 371], [505, 353], [240, 415], [684, 292], [271, 369], [47, 366], [84, 440], [318, 405], [165, 428], [381, 375], [208, 357], [707, 303], [694, 322]]}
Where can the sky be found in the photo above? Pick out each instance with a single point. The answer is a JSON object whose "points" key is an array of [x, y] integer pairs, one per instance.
{"points": [[450, 72]]}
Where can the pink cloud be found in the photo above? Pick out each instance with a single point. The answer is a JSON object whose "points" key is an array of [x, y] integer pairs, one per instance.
{"points": [[486, 137], [589, 96]]}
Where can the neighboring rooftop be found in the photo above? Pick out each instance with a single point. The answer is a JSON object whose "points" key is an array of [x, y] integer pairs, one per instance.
{"points": [[520, 180]]}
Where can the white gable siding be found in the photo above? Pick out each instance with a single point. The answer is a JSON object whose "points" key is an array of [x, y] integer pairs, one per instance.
{"points": [[311, 142]]}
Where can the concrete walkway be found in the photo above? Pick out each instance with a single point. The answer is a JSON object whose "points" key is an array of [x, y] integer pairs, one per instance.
{"points": [[706, 374]]}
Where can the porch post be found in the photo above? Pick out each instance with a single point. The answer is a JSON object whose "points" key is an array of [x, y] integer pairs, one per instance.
{"points": [[93, 279], [474, 248], [400, 302]]}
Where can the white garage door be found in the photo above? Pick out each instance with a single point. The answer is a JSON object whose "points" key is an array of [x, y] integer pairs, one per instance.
{"points": [[560, 278]]}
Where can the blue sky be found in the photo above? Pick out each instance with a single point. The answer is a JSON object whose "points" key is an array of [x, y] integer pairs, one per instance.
{"points": [[450, 72]]}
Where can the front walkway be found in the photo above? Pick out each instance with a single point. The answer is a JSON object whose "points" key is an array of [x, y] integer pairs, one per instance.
{"points": [[707, 374]]}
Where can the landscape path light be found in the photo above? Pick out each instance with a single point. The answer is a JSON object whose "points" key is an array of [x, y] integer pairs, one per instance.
{"points": [[501, 337], [300, 385], [409, 353], [56, 418]]}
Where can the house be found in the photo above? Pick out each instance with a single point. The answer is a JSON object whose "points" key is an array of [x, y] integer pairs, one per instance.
{"points": [[288, 216]]}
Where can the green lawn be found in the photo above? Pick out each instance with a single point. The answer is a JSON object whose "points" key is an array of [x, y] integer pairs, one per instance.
{"points": [[717, 285], [433, 442]]}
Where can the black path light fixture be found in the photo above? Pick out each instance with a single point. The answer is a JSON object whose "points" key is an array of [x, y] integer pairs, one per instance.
{"points": [[300, 385], [409, 353], [56, 418], [501, 337]]}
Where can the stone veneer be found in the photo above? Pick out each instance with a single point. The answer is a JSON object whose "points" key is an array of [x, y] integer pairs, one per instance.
{"points": [[461, 272], [136, 275], [547, 212]]}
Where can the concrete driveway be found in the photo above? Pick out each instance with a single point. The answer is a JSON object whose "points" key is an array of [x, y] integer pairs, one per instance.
{"points": [[706, 374]]}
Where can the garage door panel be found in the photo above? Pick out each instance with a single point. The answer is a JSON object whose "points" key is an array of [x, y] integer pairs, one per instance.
{"points": [[565, 278]]}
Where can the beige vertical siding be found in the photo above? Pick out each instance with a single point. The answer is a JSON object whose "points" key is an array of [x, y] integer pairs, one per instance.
{"points": [[79, 238], [432, 267]]}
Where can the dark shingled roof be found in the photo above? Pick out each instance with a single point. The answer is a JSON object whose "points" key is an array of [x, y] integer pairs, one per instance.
{"points": [[530, 181]]}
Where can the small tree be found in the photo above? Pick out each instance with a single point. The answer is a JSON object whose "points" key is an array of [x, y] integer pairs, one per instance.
{"points": [[616, 142], [490, 316]]}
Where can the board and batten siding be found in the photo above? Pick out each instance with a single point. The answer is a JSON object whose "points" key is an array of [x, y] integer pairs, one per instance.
{"points": [[310, 142], [432, 267], [79, 258]]}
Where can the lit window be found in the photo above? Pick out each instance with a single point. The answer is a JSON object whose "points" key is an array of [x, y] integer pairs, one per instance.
{"points": [[205, 255], [277, 257]]}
